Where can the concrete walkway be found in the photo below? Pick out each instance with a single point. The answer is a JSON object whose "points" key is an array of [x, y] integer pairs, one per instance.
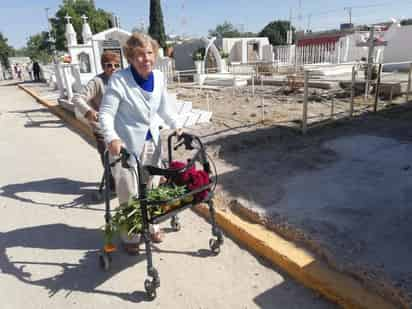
{"points": [[49, 234]]}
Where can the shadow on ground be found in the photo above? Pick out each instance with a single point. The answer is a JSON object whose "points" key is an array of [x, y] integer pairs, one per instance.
{"points": [[84, 276], [337, 184], [32, 116], [61, 186]]}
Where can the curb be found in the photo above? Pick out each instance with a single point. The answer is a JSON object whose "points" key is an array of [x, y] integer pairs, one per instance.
{"points": [[297, 262], [61, 113]]}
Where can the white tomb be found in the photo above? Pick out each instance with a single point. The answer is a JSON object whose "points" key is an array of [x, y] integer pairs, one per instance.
{"points": [[87, 55], [85, 64]]}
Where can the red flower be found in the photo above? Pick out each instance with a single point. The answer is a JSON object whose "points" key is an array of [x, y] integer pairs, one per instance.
{"points": [[182, 178], [198, 180], [193, 178]]}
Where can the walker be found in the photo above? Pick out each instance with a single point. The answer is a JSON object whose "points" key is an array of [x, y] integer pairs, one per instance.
{"points": [[191, 142]]}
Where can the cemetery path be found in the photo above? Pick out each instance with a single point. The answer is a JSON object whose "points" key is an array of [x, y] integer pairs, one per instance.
{"points": [[50, 236]]}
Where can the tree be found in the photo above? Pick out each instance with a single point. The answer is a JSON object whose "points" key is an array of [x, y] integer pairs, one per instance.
{"points": [[5, 51], [99, 20], [38, 47], [276, 31], [140, 28], [157, 28], [225, 30], [406, 22], [228, 30]]}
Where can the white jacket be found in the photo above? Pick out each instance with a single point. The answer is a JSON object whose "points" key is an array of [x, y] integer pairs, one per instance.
{"points": [[126, 114]]}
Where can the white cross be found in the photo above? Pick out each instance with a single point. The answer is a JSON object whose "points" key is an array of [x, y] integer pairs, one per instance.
{"points": [[85, 18], [67, 18]]}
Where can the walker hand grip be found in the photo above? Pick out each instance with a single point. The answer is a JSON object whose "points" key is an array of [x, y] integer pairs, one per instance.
{"points": [[124, 157], [183, 139]]}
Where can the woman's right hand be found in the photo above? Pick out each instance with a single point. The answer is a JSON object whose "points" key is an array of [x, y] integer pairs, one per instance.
{"points": [[92, 116], [114, 147]]}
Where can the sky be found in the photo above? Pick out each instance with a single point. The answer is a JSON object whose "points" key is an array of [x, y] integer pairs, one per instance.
{"points": [[19, 19]]}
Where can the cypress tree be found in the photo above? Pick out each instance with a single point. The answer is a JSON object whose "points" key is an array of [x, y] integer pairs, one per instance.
{"points": [[157, 28]]}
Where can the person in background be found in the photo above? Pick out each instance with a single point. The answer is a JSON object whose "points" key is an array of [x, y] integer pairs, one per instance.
{"points": [[19, 72], [15, 70], [29, 69], [131, 113], [88, 101], [36, 71]]}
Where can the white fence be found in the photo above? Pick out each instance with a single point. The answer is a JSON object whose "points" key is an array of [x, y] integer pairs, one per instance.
{"points": [[362, 94]]}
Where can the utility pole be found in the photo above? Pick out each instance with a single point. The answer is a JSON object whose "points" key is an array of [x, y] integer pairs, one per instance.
{"points": [[349, 9], [289, 35], [309, 20], [371, 49], [48, 21], [371, 43], [51, 39], [300, 15]]}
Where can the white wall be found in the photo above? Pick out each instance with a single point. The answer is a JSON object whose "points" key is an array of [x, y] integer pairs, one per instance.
{"points": [[267, 53], [231, 46], [399, 46], [74, 53], [353, 52], [95, 48]]}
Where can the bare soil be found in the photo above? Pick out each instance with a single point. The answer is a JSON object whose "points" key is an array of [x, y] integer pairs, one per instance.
{"points": [[343, 190]]}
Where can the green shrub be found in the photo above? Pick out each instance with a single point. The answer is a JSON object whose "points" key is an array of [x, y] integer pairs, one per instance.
{"points": [[199, 54]]}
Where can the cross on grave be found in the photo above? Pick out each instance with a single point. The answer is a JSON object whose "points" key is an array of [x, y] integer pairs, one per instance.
{"points": [[84, 18], [371, 43], [67, 18]]}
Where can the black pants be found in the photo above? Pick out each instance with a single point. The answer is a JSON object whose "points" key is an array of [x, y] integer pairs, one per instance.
{"points": [[101, 147], [36, 75]]}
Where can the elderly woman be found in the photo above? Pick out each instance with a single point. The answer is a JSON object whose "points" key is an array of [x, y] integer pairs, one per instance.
{"points": [[131, 112], [89, 99]]}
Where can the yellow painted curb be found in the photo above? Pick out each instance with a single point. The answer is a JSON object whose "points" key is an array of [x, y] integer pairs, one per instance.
{"points": [[299, 263], [61, 112]]}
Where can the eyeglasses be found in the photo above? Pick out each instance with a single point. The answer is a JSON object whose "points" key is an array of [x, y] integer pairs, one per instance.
{"points": [[111, 65]]}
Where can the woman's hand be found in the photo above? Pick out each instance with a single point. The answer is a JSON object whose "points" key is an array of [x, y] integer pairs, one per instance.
{"points": [[114, 147], [92, 116], [179, 132]]}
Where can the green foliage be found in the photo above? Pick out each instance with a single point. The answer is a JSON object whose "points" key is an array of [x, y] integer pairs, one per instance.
{"points": [[99, 20], [128, 217], [38, 47], [5, 51], [406, 22], [223, 54], [165, 193], [199, 54], [157, 28], [20, 52], [225, 30], [276, 31], [228, 30]]}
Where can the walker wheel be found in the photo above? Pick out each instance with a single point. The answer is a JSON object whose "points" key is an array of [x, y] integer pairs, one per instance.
{"points": [[105, 260], [220, 238], [214, 246], [150, 289], [174, 223]]}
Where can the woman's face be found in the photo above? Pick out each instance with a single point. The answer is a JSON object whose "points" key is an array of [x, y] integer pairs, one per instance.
{"points": [[143, 60]]}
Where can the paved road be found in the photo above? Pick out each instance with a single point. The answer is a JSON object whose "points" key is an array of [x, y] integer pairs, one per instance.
{"points": [[49, 234]]}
